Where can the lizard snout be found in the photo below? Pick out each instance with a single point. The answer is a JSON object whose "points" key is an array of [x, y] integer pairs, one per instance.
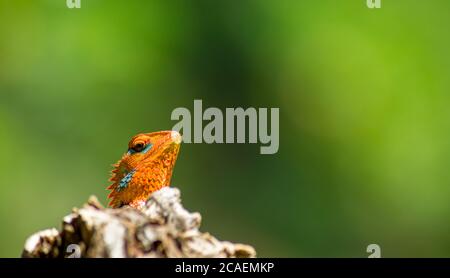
{"points": [[175, 136]]}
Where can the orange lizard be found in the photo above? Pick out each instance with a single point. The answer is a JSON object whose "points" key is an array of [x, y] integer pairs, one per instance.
{"points": [[145, 168]]}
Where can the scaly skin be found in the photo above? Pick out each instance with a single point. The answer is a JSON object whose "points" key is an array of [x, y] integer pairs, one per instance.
{"points": [[144, 169]]}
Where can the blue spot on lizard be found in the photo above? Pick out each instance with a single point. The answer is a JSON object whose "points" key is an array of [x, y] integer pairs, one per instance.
{"points": [[125, 180]]}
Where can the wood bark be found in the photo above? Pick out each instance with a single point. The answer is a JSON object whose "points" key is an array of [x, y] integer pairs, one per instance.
{"points": [[161, 229]]}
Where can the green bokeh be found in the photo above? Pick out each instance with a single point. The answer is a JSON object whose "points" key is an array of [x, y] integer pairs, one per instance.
{"points": [[364, 123]]}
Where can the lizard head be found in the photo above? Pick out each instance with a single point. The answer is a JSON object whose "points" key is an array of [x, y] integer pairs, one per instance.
{"points": [[146, 166], [149, 147]]}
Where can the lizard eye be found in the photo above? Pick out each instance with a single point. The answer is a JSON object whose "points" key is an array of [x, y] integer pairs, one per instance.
{"points": [[138, 147]]}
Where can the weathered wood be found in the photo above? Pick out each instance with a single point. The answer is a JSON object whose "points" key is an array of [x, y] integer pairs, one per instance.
{"points": [[163, 228]]}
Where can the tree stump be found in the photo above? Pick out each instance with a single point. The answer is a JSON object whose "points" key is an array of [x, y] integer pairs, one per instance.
{"points": [[161, 229]]}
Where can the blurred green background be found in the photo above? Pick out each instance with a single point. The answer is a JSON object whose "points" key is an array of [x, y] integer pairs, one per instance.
{"points": [[364, 119]]}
